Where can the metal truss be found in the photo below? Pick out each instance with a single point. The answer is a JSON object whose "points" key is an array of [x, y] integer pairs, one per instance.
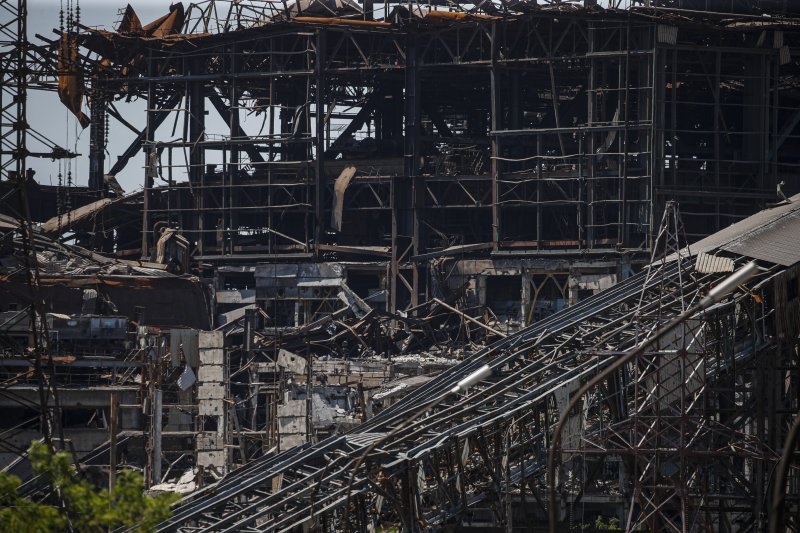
{"points": [[13, 128], [13, 155], [680, 424], [21, 66]]}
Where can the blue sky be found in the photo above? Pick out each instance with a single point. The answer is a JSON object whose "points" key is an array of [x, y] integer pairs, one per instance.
{"points": [[48, 116]]}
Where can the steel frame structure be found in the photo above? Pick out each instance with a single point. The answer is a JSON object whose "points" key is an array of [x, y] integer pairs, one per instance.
{"points": [[686, 425], [552, 132], [15, 67], [549, 130], [24, 65]]}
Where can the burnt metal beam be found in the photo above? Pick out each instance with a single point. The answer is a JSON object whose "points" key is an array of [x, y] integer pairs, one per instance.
{"points": [[320, 185], [159, 116], [226, 113]]}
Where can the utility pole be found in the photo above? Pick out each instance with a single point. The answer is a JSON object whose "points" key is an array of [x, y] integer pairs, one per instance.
{"points": [[112, 439], [309, 394]]}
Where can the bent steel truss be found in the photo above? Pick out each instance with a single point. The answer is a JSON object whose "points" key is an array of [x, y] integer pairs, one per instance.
{"points": [[683, 439]]}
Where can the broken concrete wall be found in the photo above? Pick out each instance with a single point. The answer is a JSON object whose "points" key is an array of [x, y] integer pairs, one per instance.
{"points": [[333, 409], [527, 290], [584, 285], [292, 427], [211, 396]]}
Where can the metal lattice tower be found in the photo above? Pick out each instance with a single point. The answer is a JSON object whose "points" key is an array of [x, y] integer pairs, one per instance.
{"points": [[14, 130], [676, 436], [13, 95], [666, 378]]}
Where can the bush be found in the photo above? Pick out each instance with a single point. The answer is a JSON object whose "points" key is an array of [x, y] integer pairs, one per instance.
{"points": [[76, 504]]}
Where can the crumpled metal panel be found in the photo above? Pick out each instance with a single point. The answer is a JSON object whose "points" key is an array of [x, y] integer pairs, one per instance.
{"points": [[776, 242], [770, 235], [70, 82], [187, 378], [291, 275], [710, 264], [339, 189]]}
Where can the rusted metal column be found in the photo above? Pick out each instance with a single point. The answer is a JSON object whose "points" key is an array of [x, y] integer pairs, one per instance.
{"points": [[319, 133], [407, 498], [235, 130], [412, 154], [393, 262], [148, 178], [97, 140], [113, 408], [590, 145], [625, 84], [197, 121], [657, 135], [406, 190], [495, 147]]}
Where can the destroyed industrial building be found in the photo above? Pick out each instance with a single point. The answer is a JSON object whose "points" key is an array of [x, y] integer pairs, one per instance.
{"points": [[343, 210]]}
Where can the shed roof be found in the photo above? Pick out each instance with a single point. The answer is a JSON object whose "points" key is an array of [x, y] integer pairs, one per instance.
{"points": [[771, 235]]}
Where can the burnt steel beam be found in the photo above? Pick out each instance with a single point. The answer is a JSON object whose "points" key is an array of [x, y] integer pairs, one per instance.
{"points": [[319, 133], [356, 123], [496, 111], [159, 116], [225, 112], [411, 163], [149, 136], [97, 142]]}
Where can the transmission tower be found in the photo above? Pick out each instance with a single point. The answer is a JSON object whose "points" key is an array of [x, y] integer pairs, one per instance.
{"points": [[15, 54]]}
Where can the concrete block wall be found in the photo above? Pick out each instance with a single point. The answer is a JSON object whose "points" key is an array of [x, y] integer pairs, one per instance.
{"points": [[292, 427], [211, 393]]}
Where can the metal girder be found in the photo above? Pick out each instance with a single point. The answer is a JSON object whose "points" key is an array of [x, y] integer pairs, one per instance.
{"points": [[490, 445], [135, 146], [225, 112]]}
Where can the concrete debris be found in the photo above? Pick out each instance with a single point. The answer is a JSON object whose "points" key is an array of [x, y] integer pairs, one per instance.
{"points": [[186, 484], [432, 188]]}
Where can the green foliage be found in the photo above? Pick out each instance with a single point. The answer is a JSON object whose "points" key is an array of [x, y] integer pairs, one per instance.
{"points": [[79, 506], [611, 525], [18, 514]]}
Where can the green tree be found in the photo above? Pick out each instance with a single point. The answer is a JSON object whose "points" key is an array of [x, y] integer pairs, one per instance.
{"points": [[78, 505]]}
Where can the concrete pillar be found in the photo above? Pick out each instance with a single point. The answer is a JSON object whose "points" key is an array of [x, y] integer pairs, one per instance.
{"points": [[211, 395]]}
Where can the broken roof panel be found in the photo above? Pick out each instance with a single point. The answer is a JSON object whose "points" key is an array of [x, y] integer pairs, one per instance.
{"points": [[769, 235], [709, 264], [322, 8], [776, 242]]}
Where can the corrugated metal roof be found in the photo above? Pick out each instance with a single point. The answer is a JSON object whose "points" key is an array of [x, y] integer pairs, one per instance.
{"points": [[770, 235], [778, 242], [709, 264]]}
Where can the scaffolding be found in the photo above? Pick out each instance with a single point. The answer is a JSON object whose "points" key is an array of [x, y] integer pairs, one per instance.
{"points": [[395, 134]]}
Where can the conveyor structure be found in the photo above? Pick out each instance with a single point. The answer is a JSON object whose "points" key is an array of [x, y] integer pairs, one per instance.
{"points": [[681, 440]]}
